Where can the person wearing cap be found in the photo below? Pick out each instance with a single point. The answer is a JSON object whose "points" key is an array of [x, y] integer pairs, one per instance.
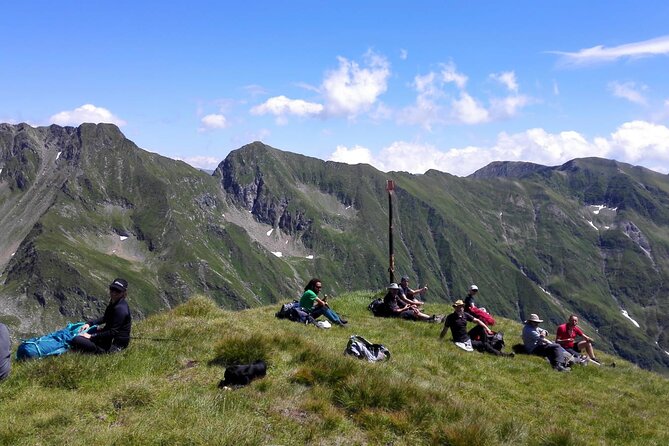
{"points": [[566, 337], [457, 322], [469, 298], [407, 295], [536, 343], [316, 306], [396, 307], [5, 353], [115, 334]]}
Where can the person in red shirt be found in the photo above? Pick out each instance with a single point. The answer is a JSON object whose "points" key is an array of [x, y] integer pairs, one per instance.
{"points": [[566, 337]]}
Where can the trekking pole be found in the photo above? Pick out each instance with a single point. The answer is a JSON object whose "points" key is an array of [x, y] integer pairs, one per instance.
{"points": [[145, 338]]}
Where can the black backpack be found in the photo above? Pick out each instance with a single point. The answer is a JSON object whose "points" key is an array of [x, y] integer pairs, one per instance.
{"points": [[293, 312], [378, 308]]}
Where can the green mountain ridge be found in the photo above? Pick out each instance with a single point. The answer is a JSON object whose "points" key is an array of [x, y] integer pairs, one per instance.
{"points": [[83, 205]]}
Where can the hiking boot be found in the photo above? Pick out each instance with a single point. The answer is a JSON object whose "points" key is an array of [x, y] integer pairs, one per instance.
{"points": [[343, 321], [595, 361], [561, 368]]}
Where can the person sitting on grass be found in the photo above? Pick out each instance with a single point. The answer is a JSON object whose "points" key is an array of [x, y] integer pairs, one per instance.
{"points": [[536, 343], [397, 307], [5, 352], [410, 296], [566, 337], [457, 322], [315, 306], [115, 335]]}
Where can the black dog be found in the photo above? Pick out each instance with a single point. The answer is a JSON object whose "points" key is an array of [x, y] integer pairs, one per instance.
{"points": [[241, 375]]}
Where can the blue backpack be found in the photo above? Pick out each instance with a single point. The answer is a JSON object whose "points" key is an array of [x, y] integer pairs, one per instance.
{"points": [[55, 343]]}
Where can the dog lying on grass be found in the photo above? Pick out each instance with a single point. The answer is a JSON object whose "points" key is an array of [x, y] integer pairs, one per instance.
{"points": [[241, 375]]}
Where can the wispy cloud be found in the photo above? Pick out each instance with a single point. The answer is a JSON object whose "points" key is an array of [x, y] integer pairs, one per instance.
{"points": [[86, 113], [637, 142], [202, 162], [508, 79], [404, 54], [436, 105], [629, 90], [600, 53]]}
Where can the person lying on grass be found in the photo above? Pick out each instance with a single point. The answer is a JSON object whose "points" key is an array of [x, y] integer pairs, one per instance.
{"points": [[457, 322], [397, 307], [316, 306]]}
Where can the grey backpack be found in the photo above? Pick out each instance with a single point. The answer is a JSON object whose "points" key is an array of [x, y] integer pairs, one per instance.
{"points": [[361, 348]]}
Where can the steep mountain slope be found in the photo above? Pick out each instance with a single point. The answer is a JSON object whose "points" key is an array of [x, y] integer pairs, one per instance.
{"points": [[82, 205]]}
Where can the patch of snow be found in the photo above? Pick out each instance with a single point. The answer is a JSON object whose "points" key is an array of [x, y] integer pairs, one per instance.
{"points": [[348, 207], [223, 215], [58, 156], [626, 314], [310, 257], [13, 254], [666, 352], [607, 227], [278, 253], [0, 169], [250, 212], [500, 214], [270, 232], [593, 225], [286, 242], [545, 291], [123, 237], [598, 208]]}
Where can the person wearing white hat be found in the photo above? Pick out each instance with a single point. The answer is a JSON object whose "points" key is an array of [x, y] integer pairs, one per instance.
{"points": [[396, 307], [536, 343], [469, 299]]}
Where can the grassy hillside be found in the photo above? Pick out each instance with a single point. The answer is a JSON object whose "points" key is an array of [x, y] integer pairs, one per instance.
{"points": [[162, 392]]}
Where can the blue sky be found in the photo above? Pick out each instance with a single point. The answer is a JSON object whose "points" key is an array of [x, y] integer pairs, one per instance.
{"points": [[400, 85]]}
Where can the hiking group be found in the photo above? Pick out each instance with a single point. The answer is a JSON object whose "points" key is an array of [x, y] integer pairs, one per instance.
{"points": [[110, 332]]}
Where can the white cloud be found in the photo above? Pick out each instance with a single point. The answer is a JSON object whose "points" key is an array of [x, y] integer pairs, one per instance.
{"points": [[556, 88], [352, 89], [508, 79], [636, 142], [641, 142], [600, 53], [629, 91], [434, 105], [467, 110], [86, 113], [281, 106], [214, 121], [404, 54], [450, 74], [202, 162], [354, 155]]}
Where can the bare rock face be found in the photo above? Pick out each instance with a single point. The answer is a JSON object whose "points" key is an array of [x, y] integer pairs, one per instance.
{"points": [[635, 234]]}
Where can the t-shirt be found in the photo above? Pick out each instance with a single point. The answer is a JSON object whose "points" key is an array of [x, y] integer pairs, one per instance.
{"points": [[469, 301], [5, 354], [458, 325], [565, 332], [308, 299], [390, 301]]}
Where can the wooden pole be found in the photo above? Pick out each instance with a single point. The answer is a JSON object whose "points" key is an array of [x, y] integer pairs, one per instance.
{"points": [[390, 187]]}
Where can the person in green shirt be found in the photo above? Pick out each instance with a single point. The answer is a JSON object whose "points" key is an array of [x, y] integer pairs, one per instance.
{"points": [[316, 306]]}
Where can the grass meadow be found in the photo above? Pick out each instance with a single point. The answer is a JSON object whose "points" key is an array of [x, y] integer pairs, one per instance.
{"points": [[163, 389]]}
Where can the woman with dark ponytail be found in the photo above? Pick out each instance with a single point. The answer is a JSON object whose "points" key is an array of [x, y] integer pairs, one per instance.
{"points": [[316, 306]]}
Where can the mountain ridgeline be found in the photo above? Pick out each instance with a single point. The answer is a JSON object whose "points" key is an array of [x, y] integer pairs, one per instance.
{"points": [[80, 206]]}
